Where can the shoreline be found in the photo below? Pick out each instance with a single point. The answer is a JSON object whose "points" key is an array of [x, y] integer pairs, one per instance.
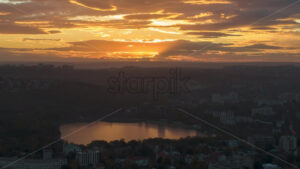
{"points": [[171, 125]]}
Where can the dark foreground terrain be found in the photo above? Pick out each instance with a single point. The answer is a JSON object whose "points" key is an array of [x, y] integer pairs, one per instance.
{"points": [[249, 101]]}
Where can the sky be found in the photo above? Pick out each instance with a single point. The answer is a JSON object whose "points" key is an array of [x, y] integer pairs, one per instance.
{"points": [[150, 30]]}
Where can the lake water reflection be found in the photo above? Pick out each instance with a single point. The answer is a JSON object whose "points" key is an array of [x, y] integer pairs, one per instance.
{"points": [[128, 131]]}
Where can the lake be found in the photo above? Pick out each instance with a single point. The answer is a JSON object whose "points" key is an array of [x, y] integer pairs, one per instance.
{"points": [[110, 131]]}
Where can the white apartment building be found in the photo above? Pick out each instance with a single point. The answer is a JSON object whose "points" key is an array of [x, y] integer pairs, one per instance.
{"points": [[88, 158], [288, 144], [264, 111]]}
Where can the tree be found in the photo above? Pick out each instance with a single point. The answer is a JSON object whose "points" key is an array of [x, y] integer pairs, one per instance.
{"points": [[257, 165]]}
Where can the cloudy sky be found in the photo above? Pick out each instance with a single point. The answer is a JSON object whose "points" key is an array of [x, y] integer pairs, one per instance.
{"points": [[150, 30]]}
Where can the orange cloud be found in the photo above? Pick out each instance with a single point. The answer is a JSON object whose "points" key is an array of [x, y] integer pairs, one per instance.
{"points": [[107, 6], [143, 28]]}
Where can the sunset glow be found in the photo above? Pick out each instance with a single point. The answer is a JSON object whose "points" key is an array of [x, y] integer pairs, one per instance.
{"points": [[192, 30]]}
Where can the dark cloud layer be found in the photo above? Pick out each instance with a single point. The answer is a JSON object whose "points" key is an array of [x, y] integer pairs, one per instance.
{"points": [[211, 34], [11, 28], [245, 12], [32, 39]]}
